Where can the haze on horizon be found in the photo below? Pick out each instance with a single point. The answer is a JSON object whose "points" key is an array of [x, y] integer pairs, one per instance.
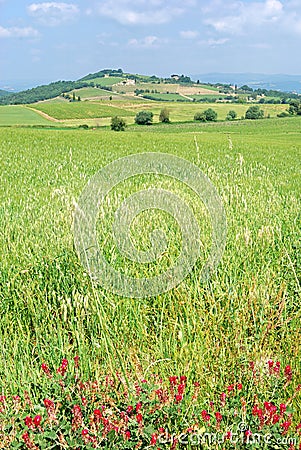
{"points": [[47, 41]]}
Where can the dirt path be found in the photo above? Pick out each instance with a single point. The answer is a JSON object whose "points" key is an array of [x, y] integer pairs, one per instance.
{"points": [[186, 96], [52, 119]]}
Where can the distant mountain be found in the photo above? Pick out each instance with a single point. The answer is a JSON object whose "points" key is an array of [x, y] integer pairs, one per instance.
{"points": [[279, 82]]}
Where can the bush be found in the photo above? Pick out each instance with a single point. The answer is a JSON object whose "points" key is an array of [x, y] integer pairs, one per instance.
{"points": [[118, 124], [200, 116], [254, 112], [144, 118], [164, 115], [283, 114], [209, 115], [231, 115]]}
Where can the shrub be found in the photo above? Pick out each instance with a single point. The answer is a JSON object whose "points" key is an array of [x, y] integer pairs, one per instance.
{"points": [[164, 115], [231, 115], [283, 114], [254, 112], [144, 118], [118, 124], [209, 115], [200, 116]]}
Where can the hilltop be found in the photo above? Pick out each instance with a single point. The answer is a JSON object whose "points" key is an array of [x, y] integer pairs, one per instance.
{"points": [[118, 83]]}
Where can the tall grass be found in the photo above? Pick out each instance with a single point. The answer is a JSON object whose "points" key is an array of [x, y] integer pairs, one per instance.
{"points": [[248, 310]]}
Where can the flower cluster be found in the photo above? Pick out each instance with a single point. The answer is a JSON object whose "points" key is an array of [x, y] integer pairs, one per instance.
{"points": [[119, 413]]}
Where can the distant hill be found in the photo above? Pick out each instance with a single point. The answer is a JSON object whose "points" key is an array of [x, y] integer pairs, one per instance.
{"points": [[279, 82], [4, 93], [43, 92], [269, 85]]}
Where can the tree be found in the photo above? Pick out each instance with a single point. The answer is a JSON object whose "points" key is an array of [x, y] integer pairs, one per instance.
{"points": [[78, 98], [118, 124], [164, 115], [231, 115], [294, 107], [144, 118], [73, 96], [254, 112]]}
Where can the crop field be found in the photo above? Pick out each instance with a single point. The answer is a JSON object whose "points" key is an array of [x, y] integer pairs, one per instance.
{"points": [[168, 88], [80, 110], [179, 111], [248, 310], [20, 115], [91, 92], [106, 81]]}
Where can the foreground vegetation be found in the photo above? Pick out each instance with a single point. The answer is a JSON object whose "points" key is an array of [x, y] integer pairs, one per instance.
{"points": [[249, 311]]}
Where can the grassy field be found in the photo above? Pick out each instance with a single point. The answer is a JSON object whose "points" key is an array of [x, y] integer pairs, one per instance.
{"points": [[80, 110], [179, 111], [249, 310], [20, 115]]}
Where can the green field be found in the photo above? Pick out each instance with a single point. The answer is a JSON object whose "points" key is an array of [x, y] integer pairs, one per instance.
{"points": [[249, 310], [106, 81], [20, 115], [179, 111], [80, 110]]}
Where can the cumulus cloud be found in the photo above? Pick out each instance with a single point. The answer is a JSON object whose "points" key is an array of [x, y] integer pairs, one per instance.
{"points": [[141, 12], [16, 32], [53, 13], [236, 17], [189, 34]]}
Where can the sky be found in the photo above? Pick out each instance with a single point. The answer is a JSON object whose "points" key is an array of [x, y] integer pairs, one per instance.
{"points": [[49, 41]]}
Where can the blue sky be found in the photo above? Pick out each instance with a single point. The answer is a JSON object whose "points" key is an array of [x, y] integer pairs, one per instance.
{"points": [[47, 41]]}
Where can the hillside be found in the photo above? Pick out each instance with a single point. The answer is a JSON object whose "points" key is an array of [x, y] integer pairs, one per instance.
{"points": [[4, 93], [109, 83]]}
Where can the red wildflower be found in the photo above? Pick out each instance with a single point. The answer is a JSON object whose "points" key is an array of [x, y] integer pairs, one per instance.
{"points": [[288, 372], [138, 406], [181, 388], [139, 418], [282, 408], [173, 380], [179, 398], [37, 420], [28, 422], [218, 417], [46, 370], [285, 425], [154, 438], [127, 435], [228, 436]]}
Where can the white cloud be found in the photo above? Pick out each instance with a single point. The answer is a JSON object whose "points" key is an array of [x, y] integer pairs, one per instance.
{"points": [[189, 34], [236, 17], [146, 42], [141, 12], [15, 32], [53, 13]]}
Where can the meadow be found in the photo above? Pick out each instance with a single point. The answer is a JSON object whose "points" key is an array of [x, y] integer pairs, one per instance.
{"points": [[209, 331]]}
